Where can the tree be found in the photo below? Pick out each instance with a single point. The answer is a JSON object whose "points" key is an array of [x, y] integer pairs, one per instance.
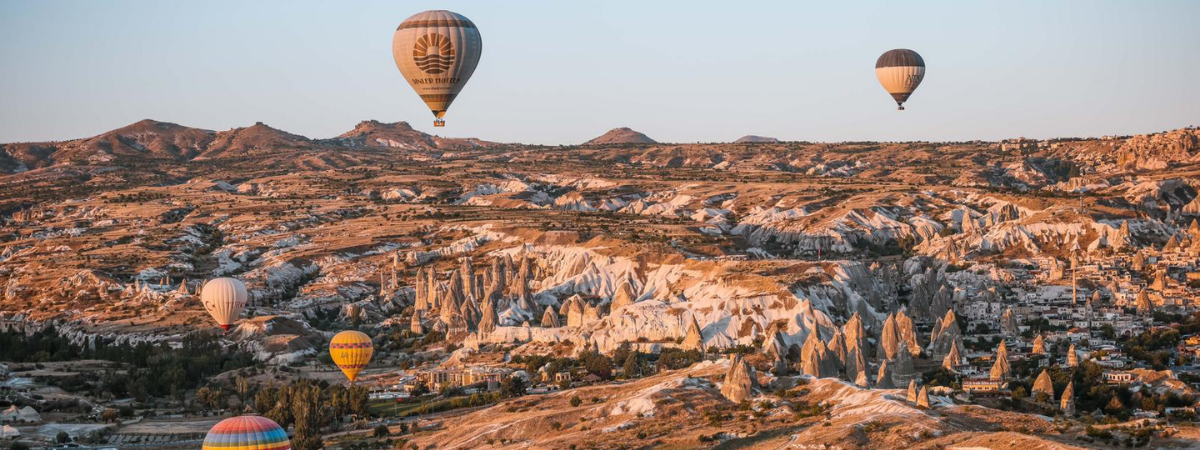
{"points": [[576, 401], [358, 400], [382, 431], [62, 437], [632, 367], [242, 387], [512, 387], [1019, 393], [306, 410]]}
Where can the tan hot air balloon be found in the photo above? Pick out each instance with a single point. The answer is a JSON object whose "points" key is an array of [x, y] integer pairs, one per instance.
{"points": [[900, 71], [224, 299], [437, 51], [351, 351]]}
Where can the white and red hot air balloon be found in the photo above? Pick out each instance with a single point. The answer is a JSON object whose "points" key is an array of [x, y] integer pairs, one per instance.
{"points": [[224, 299]]}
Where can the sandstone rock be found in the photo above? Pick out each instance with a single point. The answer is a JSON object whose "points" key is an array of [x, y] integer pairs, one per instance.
{"points": [[815, 359], [1043, 384], [1000, 369], [739, 380], [837, 350], [1144, 306], [946, 336], [489, 319], [1160, 281], [1008, 324], [575, 311], [883, 380], [853, 332], [1067, 402], [415, 324], [889, 339], [550, 318], [623, 297], [1072, 357], [942, 302], [923, 398], [591, 314], [774, 346], [856, 365], [912, 391], [907, 333], [861, 379], [952, 359], [1039, 346], [694, 339], [902, 366]]}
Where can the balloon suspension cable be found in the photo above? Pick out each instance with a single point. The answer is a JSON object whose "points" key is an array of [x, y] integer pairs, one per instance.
{"points": [[439, 123]]}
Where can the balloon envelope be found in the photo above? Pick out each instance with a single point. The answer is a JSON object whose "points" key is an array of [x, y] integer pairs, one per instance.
{"points": [[900, 71], [351, 351], [437, 51], [224, 299], [246, 433]]}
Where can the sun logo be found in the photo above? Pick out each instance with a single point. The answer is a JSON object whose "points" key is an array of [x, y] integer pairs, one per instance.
{"points": [[433, 53]]}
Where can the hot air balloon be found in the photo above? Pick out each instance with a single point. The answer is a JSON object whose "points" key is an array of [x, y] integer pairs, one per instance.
{"points": [[900, 71], [246, 433], [224, 299], [437, 51], [351, 351]]}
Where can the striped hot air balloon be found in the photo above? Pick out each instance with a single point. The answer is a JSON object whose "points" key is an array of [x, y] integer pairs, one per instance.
{"points": [[224, 299], [246, 433], [351, 351], [900, 71], [437, 51]]}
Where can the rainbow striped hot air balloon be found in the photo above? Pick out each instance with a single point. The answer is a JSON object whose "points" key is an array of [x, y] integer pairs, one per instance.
{"points": [[246, 433], [351, 351]]}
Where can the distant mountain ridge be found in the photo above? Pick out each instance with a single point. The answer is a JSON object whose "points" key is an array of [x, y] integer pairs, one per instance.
{"points": [[154, 140]]}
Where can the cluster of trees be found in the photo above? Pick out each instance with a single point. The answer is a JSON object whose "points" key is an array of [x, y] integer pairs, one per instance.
{"points": [[155, 369], [1155, 346], [309, 408], [633, 363], [1092, 393]]}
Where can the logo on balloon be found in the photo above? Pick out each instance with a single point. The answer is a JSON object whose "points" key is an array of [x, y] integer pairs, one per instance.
{"points": [[433, 53]]}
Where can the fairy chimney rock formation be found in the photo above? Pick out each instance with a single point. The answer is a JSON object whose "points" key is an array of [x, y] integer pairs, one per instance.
{"points": [[1043, 384], [739, 381], [550, 318], [1068, 399], [694, 339], [923, 398], [1000, 369], [623, 297]]}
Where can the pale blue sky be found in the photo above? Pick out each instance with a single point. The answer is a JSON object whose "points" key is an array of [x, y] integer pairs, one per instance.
{"points": [[561, 72]]}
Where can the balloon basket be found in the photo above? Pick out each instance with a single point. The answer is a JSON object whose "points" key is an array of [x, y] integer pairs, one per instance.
{"points": [[439, 123], [899, 108]]}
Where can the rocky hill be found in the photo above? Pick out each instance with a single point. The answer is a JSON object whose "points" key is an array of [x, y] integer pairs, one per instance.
{"points": [[401, 135], [752, 139], [621, 136]]}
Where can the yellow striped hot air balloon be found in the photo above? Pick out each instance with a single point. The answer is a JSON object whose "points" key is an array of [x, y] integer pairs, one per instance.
{"points": [[351, 351], [437, 51]]}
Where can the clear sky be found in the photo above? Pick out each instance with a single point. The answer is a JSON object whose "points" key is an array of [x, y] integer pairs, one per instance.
{"points": [[561, 72]]}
